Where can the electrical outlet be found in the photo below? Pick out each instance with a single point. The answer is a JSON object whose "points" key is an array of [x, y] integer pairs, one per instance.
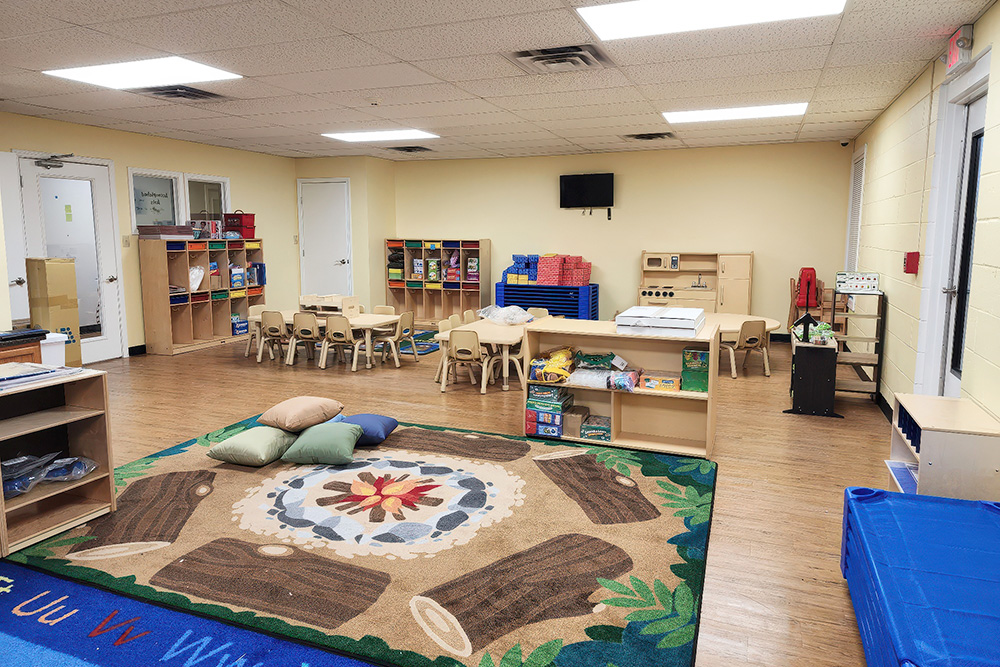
{"points": [[126, 241], [295, 239]]}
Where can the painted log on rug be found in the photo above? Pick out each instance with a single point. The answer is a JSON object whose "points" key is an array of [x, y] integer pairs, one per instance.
{"points": [[465, 445], [275, 579], [151, 513], [550, 580], [605, 496]]}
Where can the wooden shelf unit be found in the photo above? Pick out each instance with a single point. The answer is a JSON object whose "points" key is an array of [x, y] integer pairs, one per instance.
{"points": [[667, 279], [868, 329], [433, 301], [953, 444], [68, 415], [680, 422], [202, 317]]}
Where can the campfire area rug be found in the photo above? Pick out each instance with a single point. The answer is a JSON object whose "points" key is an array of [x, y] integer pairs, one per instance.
{"points": [[438, 548]]}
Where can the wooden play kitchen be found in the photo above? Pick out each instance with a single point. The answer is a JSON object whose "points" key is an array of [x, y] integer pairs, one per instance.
{"points": [[675, 422], [67, 414], [717, 283], [437, 290], [188, 318]]}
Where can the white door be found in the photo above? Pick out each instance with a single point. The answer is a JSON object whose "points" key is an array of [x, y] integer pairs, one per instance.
{"points": [[68, 213], [325, 237], [13, 230], [965, 231]]}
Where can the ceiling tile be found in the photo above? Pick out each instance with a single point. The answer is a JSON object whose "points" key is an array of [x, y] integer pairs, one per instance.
{"points": [[741, 84], [884, 51], [86, 12], [869, 105], [206, 125], [505, 143], [492, 137], [878, 90], [95, 101], [738, 100], [318, 116], [267, 105], [722, 67], [246, 23], [498, 35], [622, 123], [546, 83], [611, 110], [786, 35], [738, 129], [574, 98], [467, 68], [895, 72], [849, 129], [929, 22], [18, 18], [351, 78], [431, 123], [70, 47], [80, 118], [288, 57], [34, 84], [578, 134], [837, 116], [259, 135], [161, 112], [428, 92], [426, 109], [12, 106], [243, 89]]}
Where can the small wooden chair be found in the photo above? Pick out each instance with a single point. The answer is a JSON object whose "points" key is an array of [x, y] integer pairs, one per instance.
{"points": [[464, 350], [753, 336], [255, 311], [456, 321], [402, 331], [443, 325], [469, 316], [340, 337], [384, 310], [273, 333], [538, 312], [305, 331]]}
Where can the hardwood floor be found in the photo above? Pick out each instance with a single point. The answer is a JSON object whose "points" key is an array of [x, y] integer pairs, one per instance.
{"points": [[774, 594]]}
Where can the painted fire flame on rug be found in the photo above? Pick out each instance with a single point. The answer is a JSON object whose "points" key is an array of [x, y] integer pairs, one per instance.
{"points": [[397, 505]]}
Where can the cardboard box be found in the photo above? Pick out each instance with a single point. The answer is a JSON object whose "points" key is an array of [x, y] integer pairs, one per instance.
{"points": [[596, 428], [550, 430], [216, 283], [660, 381], [546, 392], [573, 419], [52, 301], [694, 380], [695, 360]]}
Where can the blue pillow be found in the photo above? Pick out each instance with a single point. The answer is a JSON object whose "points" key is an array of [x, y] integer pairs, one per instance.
{"points": [[338, 418], [376, 427]]}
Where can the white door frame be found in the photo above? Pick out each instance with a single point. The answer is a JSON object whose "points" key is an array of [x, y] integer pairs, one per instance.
{"points": [[350, 222], [945, 199], [119, 284]]}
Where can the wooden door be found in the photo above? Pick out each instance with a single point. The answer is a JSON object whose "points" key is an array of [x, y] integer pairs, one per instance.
{"points": [[734, 266], [734, 296], [29, 353]]}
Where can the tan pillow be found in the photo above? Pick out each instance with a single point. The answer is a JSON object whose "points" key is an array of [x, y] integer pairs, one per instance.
{"points": [[301, 412]]}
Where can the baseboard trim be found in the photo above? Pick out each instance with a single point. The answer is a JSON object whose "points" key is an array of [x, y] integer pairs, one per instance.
{"points": [[884, 406], [136, 350]]}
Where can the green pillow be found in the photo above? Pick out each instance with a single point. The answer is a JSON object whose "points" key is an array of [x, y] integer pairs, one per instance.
{"points": [[329, 444], [255, 446]]}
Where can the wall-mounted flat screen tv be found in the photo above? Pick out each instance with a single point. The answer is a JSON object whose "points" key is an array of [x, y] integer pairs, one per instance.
{"points": [[587, 191]]}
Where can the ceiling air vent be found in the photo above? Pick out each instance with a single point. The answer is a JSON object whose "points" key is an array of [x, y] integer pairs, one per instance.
{"points": [[409, 149], [562, 59], [649, 136], [178, 93]]}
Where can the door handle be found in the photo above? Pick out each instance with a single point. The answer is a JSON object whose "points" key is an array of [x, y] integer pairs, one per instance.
{"points": [[343, 261], [18, 281], [951, 291], [111, 279]]}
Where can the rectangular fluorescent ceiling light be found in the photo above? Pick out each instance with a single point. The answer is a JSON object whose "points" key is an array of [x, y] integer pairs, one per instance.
{"points": [[381, 135], [170, 71], [736, 113], [641, 18]]}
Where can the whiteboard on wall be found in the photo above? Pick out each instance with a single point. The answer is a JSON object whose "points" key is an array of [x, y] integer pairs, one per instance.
{"points": [[154, 200]]}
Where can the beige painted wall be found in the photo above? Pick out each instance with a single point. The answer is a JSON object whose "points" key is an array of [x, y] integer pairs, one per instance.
{"points": [[899, 164], [786, 202], [259, 183]]}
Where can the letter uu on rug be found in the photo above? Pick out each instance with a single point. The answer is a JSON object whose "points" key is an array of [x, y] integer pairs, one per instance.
{"points": [[151, 513], [276, 579], [550, 580], [605, 496]]}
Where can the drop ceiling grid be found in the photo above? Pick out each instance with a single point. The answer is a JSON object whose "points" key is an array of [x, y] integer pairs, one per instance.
{"points": [[312, 66]]}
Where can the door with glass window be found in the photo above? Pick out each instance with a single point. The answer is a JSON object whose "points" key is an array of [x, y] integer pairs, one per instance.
{"points": [[959, 284], [68, 213]]}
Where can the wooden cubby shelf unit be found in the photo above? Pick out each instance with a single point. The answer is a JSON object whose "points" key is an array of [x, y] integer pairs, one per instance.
{"points": [[681, 422], [197, 318], [432, 301], [66, 415]]}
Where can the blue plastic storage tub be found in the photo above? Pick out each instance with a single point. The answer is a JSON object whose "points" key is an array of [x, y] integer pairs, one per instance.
{"points": [[924, 577]]}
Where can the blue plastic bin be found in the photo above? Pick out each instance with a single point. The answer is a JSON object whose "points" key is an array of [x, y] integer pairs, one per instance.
{"points": [[576, 302]]}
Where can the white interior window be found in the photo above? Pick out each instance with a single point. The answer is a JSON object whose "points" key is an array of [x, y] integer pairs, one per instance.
{"points": [[854, 211], [207, 196], [156, 197]]}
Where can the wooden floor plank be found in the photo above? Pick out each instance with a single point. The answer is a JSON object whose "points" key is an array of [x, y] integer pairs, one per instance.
{"points": [[773, 594]]}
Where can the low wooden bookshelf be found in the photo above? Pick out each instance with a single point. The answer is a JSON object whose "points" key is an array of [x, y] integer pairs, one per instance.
{"points": [[177, 322], [681, 422], [69, 415], [432, 301]]}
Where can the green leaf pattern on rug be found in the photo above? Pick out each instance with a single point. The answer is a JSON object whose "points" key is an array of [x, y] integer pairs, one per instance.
{"points": [[540, 657], [692, 504], [44, 549], [704, 467], [618, 460], [667, 613], [137, 468]]}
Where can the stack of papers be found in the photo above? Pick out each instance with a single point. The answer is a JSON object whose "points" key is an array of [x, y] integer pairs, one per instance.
{"points": [[657, 321], [15, 374]]}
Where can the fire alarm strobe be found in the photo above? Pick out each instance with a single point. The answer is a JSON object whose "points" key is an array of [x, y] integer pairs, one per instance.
{"points": [[911, 262]]}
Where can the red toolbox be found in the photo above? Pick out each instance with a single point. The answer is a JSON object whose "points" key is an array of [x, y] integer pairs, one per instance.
{"points": [[238, 221]]}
